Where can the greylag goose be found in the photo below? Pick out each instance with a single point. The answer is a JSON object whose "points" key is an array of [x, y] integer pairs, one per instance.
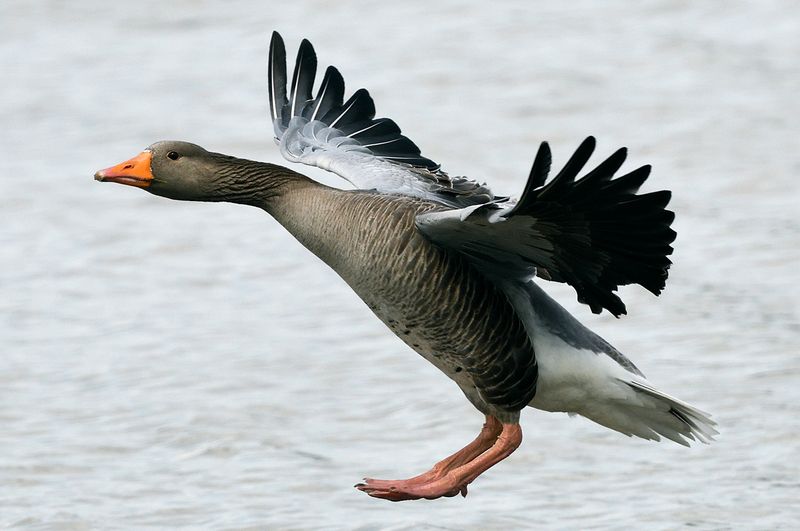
{"points": [[449, 267]]}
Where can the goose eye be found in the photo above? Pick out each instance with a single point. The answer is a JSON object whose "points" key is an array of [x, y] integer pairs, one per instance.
{"points": [[173, 155]]}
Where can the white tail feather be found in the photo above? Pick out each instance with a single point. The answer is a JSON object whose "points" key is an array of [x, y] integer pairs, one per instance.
{"points": [[694, 423], [650, 414]]}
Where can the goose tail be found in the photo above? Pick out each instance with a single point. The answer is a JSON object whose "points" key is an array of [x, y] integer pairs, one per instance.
{"points": [[651, 414]]}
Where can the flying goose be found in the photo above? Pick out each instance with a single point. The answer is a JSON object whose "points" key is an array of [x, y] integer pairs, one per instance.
{"points": [[450, 267]]}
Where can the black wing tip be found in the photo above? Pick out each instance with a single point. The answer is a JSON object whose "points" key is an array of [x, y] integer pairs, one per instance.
{"points": [[276, 45], [358, 122], [600, 301], [606, 223], [541, 165], [536, 178], [545, 152], [572, 168], [333, 72], [276, 76], [644, 171], [307, 49], [582, 153], [658, 200], [618, 157]]}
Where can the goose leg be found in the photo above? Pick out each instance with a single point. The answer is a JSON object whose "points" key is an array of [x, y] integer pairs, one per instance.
{"points": [[485, 439], [452, 475]]}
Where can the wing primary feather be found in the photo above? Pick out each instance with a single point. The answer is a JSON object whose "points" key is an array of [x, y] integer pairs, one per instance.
{"points": [[605, 170], [378, 128], [406, 145], [276, 76], [573, 166], [541, 166], [359, 108], [536, 178], [628, 183], [330, 94], [305, 70]]}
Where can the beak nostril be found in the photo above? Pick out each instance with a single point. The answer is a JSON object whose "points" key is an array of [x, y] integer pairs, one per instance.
{"points": [[133, 172]]}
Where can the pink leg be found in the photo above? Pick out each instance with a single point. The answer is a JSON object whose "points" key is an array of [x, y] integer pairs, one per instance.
{"points": [[485, 439], [460, 469]]}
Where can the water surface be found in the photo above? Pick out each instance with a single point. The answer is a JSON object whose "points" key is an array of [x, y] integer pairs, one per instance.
{"points": [[170, 364]]}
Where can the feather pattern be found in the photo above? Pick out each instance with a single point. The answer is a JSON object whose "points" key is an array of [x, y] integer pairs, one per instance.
{"points": [[347, 139], [276, 70], [305, 69], [594, 233]]}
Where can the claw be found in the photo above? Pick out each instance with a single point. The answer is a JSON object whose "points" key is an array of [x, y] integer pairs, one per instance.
{"points": [[402, 490], [391, 494]]}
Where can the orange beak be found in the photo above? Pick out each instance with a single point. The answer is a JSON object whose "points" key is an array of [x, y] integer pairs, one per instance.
{"points": [[133, 172]]}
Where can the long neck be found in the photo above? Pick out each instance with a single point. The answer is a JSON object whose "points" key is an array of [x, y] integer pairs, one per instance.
{"points": [[253, 183]]}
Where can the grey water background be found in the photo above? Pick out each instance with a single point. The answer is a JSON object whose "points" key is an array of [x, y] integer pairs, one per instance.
{"points": [[169, 364]]}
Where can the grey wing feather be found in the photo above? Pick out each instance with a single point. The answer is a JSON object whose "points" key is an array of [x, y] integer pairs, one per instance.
{"points": [[594, 233], [346, 138]]}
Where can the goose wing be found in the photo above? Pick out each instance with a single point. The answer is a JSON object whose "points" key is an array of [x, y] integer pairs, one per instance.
{"points": [[594, 233], [344, 137]]}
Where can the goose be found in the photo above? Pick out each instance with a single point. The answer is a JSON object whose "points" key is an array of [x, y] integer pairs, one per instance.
{"points": [[450, 267]]}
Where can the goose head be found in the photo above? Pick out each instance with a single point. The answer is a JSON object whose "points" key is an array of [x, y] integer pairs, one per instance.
{"points": [[185, 171], [173, 169]]}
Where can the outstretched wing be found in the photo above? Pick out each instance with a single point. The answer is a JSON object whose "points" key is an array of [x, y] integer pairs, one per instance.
{"points": [[594, 233], [346, 138]]}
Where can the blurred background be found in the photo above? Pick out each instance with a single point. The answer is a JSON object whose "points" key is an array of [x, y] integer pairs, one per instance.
{"points": [[170, 364]]}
